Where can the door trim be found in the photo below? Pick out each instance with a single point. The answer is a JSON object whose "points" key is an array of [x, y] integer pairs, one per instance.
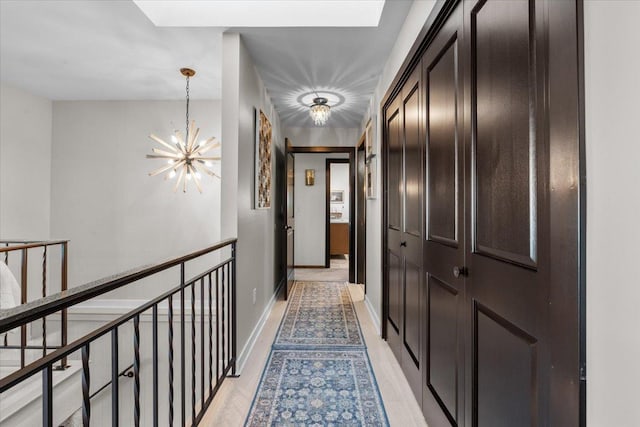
{"points": [[352, 164], [361, 211]]}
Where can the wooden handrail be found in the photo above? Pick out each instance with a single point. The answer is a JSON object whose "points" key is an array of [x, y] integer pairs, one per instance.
{"points": [[28, 245]]}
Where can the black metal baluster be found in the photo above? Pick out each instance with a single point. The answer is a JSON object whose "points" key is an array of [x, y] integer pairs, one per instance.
{"points": [[182, 348], [155, 365], [233, 304], [170, 321], [217, 325], [23, 300], [44, 294], [202, 343], [193, 353], [228, 331], [210, 337], [86, 384], [136, 371], [115, 384], [223, 321], [64, 249], [47, 397]]}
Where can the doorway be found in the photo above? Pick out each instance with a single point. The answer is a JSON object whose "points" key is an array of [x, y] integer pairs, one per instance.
{"points": [[339, 199], [314, 236]]}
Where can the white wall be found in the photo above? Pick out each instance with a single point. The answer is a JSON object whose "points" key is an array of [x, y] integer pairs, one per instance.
{"points": [[25, 164], [322, 136], [310, 208], [613, 202], [243, 91], [116, 216], [411, 28]]}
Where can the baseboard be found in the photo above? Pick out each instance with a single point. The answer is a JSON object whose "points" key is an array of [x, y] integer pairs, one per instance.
{"points": [[248, 347], [309, 266], [374, 317]]}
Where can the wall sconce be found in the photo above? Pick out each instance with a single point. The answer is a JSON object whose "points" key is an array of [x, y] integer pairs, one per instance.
{"points": [[309, 176]]}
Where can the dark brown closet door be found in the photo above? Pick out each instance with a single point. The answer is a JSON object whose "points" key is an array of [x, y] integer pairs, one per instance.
{"points": [[405, 228], [444, 247], [508, 286]]}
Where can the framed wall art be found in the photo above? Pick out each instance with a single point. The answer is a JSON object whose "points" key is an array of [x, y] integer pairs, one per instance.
{"points": [[337, 196], [371, 178], [262, 176]]}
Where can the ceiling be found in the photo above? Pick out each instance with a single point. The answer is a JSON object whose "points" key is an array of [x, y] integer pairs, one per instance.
{"points": [[109, 50], [103, 50]]}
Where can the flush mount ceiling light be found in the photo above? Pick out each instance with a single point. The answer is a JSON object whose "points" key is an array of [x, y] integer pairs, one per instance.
{"points": [[262, 13], [185, 156], [320, 111]]}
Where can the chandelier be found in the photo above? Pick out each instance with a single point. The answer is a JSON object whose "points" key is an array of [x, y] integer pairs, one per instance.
{"points": [[320, 111], [185, 155]]}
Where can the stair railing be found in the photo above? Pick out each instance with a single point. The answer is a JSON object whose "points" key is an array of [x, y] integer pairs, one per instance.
{"points": [[217, 324], [22, 251]]}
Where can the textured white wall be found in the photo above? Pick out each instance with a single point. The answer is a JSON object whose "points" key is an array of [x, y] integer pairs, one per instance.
{"points": [[310, 209], [243, 91], [116, 216], [613, 202], [408, 34], [25, 164]]}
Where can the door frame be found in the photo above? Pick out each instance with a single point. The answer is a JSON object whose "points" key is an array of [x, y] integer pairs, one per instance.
{"points": [[568, 230], [361, 213], [288, 269], [352, 163]]}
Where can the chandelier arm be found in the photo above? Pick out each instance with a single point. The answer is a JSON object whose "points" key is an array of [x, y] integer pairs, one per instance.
{"points": [[204, 149], [166, 153], [180, 139], [166, 168], [175, 188], [194, 137], [204, 144], [162, 142], [208, 158], [195, 178], [200, 167], [162, 156]]}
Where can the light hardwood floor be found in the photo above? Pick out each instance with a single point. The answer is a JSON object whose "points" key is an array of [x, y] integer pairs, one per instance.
{"points": [[232, 404]]}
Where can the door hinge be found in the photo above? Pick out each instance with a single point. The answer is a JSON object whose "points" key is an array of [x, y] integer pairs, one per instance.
{"points": [[583, 373]]}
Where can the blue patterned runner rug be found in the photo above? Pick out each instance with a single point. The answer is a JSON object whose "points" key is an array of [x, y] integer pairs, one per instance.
{"points": [[319, 314], [318, 372]]}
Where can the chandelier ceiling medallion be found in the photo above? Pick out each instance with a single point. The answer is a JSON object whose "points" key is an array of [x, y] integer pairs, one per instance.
{"points": [[185, 156], [320, 111]]}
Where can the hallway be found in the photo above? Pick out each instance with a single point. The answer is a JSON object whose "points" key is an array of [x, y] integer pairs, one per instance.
{"points": [[232, 404]]}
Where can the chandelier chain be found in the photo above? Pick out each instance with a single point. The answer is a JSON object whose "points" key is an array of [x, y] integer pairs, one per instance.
{"points": [[187, 115]]}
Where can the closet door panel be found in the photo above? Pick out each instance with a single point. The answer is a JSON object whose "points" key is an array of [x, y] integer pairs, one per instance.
{"points": [[396, 294], [443, 345], [442, 125], [443, 384], [395, 178], [505, 149], [413, 162]]}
